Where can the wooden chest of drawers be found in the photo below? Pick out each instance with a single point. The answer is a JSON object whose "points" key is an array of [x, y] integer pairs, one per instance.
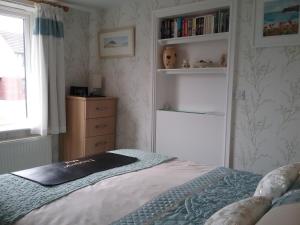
{"points": [[91, 125]]}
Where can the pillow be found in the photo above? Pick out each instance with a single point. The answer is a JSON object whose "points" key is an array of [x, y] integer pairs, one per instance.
{"points": [[286, 214], [290, 197], [245, 212], [275, 183], [296, 184]]}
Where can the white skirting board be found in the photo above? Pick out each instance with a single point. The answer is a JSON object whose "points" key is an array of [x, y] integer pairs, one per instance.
{"points": [[25, 153]]}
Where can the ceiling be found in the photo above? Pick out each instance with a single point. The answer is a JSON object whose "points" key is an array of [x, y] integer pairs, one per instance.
{"points": [[94, 3]]}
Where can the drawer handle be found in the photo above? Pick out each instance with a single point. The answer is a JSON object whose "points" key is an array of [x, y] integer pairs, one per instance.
{"points": [[101, 109], [100, 143], [101, 126]]}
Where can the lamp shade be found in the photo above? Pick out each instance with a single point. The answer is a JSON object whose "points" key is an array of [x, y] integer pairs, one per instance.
{"points": [[95, 81]]}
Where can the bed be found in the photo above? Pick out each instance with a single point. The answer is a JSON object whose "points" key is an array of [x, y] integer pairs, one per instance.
{"points": [[163, 191]]}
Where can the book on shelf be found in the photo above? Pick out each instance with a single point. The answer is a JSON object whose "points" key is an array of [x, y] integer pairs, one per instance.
{"points": [[215, 22], [183, 27], [190, 26], [194, 26]]}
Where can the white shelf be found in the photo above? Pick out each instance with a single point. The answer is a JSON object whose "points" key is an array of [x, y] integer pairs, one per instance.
{"points": [[193, 112], [211, 70], [192, 39]]}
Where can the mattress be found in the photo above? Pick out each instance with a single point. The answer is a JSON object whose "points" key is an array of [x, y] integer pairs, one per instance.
{"points": [[111, 199]]}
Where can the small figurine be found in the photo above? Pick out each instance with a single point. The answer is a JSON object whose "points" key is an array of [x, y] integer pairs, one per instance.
{"points": [[223, 60], [185, 64], [203, 64]]}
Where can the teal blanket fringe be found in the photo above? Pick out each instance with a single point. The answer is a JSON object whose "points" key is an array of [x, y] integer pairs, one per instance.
{"points": [[194, 202], [19, 196]]}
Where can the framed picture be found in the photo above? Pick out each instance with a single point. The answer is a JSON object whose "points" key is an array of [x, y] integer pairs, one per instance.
{"points": [[117, 43], [277, 23]]}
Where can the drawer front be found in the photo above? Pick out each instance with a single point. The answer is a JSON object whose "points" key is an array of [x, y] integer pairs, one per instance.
{"points": [[100, 126], [103, 108], [99, 144]]}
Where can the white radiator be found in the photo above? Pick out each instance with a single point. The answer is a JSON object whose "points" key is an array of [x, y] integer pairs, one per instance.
{"points": [[25, 153]]}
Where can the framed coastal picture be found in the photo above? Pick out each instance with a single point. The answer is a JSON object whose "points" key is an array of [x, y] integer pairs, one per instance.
{"points": [[277, 23], [117, 43]]}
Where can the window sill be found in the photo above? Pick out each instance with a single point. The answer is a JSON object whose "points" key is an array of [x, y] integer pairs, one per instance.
{"points": [[14, 131], [14, 127]]}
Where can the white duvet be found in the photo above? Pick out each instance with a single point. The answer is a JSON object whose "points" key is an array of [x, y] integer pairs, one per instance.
{"points": [[113, 198]]}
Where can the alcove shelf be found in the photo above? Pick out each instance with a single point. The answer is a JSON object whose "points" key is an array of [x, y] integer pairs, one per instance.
{"points": [[197, 71], [193, 112], [192, 106], [196, 38]]}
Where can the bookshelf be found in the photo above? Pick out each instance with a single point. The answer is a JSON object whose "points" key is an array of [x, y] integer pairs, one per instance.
{"points": [[192, 106], [198, 24]]}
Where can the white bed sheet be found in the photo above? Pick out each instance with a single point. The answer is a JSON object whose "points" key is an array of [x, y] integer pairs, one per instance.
{"points": [[113, 198]]}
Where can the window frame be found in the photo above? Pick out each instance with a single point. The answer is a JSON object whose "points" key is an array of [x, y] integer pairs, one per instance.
{"points": [[26, 13]]}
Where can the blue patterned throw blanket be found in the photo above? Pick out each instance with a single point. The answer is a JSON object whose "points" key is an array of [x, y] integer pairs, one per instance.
{"points": [[194, 202], [19, 196]]}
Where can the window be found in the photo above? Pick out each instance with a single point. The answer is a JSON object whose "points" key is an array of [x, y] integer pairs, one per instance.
{"points": [[14, 61]]}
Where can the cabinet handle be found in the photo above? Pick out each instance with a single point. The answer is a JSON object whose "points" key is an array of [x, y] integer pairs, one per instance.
{"points": [[101, 109], [100, 143]]}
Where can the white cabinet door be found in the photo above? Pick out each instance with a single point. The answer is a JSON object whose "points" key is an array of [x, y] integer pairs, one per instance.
{"points": [[189, 136]]}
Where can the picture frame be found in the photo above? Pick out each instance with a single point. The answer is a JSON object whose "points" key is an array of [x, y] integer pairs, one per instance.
{"points": [[118, 42], [277, 23]]}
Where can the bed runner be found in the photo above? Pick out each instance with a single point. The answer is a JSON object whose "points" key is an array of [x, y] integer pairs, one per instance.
{"points": [[19, 196], [194, 202], [63, 172]]}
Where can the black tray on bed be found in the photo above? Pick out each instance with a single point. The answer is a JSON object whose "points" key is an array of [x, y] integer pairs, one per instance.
{"points": [[62, 172]]}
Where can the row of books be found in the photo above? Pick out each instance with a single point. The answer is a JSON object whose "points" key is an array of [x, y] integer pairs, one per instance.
{"points": [[189, 26]]}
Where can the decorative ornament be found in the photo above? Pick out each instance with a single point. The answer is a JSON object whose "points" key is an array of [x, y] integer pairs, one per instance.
{"points": [[169, 57], [185, 64], [223, 60]]}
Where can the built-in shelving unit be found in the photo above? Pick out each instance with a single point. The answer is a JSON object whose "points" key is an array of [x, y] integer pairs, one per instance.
{"points": [[192, 106]]}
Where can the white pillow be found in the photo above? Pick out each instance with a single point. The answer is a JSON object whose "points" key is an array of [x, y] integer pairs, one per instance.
{"points": [[245, 212], [276, 183]]}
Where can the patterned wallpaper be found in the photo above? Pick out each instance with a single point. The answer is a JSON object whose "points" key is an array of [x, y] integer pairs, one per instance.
{"points": [[76, 28], [76, 24], [266, 123]]}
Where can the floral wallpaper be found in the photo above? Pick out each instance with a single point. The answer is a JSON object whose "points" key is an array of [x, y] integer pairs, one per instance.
{"points": [[76, 25], [267, 126], [266, 123], [76, 28]]}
